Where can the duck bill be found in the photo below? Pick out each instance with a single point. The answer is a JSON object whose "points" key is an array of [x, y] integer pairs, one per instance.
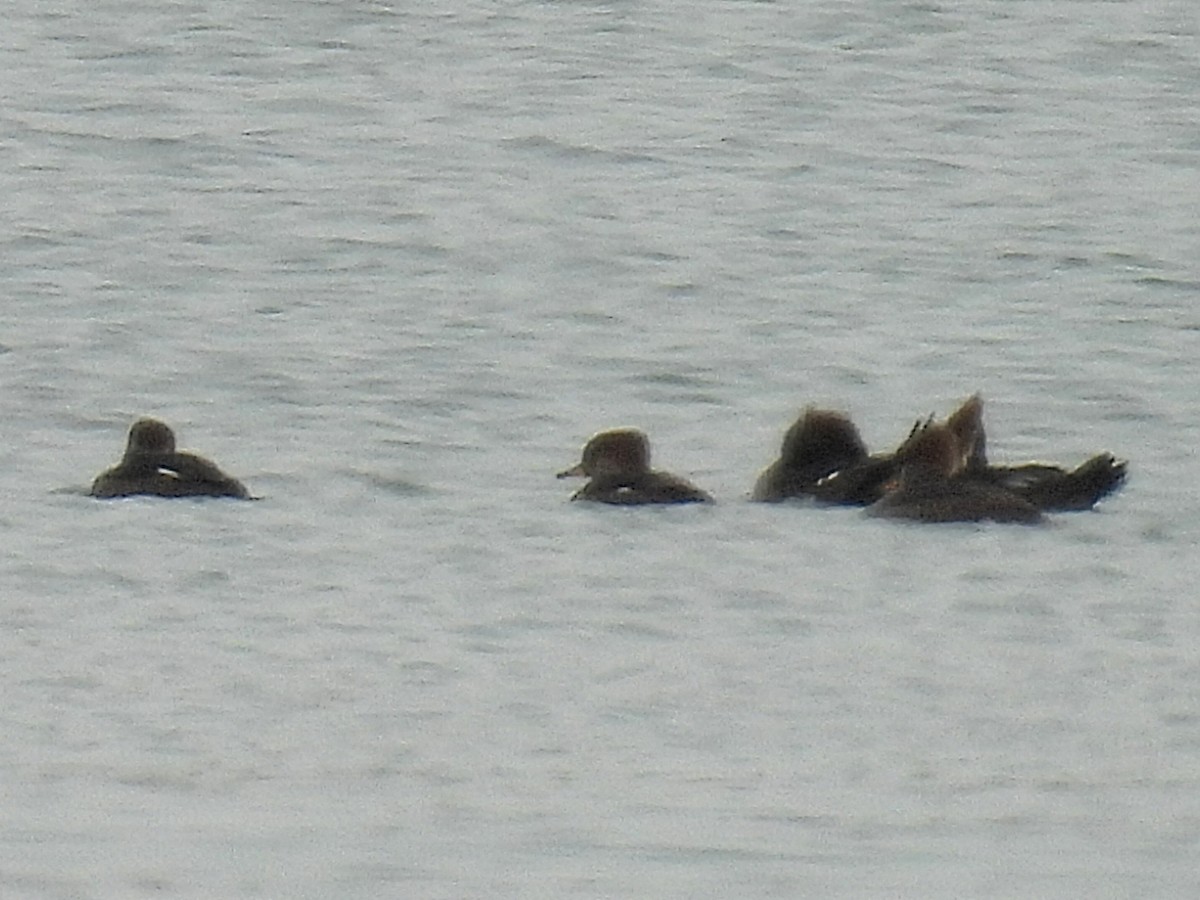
{"points": [[575, 471]]}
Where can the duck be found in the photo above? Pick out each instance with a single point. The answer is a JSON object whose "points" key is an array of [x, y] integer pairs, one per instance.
{"points": [[152, 466], [1049, 487], [618, 463], [823, 456], [819, 443], [932, 487]]}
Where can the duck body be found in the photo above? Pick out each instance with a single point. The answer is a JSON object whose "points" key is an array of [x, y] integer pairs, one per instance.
{"points": [[860, 484], [617, 462], [1056, 489], [931, 488], [650, 487], [929, 496], [152, 466]]}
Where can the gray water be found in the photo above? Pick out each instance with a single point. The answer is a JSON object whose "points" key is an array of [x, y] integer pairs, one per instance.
{"points": [[392, 266]]}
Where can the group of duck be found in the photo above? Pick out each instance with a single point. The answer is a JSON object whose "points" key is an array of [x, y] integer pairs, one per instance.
{"points": [[939, 473]]}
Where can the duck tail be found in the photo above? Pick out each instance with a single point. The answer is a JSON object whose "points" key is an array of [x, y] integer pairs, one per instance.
{"points": [[1086, 485]]}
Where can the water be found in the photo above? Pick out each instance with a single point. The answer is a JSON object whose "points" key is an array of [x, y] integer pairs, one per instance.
{"points": [[392, 267]]}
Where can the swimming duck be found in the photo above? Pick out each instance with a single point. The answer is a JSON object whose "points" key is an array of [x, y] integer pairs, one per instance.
{"points": [[931, 486], [818, 444], [152, 465], [618, 464], [824, 457]]}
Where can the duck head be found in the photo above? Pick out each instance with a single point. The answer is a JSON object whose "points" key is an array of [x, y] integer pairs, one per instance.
{"points": [[620, 451], [149, 437], [820, 436]]}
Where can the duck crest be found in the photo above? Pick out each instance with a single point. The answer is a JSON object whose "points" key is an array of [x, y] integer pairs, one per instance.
{"points": [[819, 443], [148, 436], [619, 451], [822, 437], [933, 448], [966, 424]]}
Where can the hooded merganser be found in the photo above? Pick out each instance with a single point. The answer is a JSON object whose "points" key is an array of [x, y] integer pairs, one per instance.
{"points": [[618, 464], [151, 465], [818, 444], [931, 486]]}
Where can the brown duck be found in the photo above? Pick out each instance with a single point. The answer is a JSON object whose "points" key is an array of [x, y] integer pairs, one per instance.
{"points": [[151, 465], [618, 464], [931, 486]]}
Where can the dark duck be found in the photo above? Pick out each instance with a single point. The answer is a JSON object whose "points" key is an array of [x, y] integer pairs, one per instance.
{"points": [[152, 466], [931, 486], [617, 462]]}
